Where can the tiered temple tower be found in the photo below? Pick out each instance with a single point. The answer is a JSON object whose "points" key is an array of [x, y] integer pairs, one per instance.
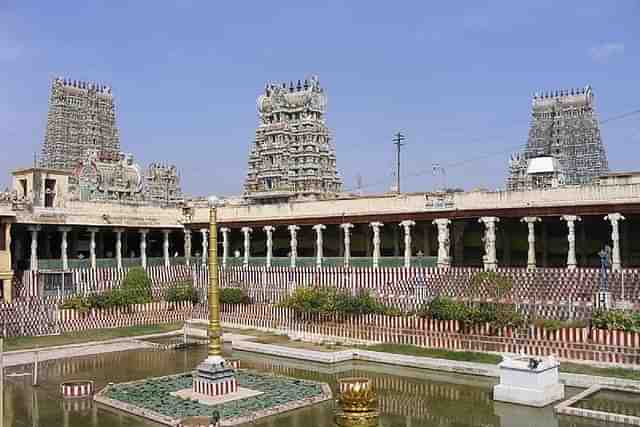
{"points": [[564, 145], [81, 116], [292, 155]]}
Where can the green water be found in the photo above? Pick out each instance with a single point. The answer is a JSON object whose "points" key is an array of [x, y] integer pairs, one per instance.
{"points": [[407, 397]]}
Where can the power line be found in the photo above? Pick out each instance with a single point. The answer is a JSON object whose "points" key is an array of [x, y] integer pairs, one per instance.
{"points": [[487, 155]]}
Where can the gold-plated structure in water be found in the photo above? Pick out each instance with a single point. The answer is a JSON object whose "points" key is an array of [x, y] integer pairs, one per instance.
{"points": [[358, 403], [215, 332]]}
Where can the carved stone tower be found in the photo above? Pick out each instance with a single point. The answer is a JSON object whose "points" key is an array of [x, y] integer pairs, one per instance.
{"points": [[292, 155], [564, 145], [81, 116]]}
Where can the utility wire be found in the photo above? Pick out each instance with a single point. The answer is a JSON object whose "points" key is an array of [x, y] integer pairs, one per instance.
{"points": [[488, 155]]}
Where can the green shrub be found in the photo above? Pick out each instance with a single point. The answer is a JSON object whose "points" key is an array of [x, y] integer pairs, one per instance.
{"points": [[310, 301], [554, 325], [362, 303], [76, 303], [616, 320], [183, 291], [442, 308], [233, 296], [136, 287]]}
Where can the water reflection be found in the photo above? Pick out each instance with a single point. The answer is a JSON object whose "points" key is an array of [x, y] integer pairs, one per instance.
{"points": [[407, 397]]}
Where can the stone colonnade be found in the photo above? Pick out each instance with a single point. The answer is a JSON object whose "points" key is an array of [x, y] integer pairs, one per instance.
{"points": [[443, 226]]}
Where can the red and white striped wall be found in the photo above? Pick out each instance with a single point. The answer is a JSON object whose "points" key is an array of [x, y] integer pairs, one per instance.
{"points": [[226, 386]]}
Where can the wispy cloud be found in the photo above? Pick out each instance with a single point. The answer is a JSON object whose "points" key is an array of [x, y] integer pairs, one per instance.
{"points": [[605, 51]]}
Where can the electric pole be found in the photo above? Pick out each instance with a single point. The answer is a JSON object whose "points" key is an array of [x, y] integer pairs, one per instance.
{"points": [[398, 142]]}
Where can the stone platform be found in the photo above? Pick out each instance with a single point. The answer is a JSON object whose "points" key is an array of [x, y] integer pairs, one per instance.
{"points": [[260, 395], [525, 384]]}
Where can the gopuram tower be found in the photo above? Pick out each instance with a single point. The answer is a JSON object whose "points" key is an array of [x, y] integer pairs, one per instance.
{"points": [[564, 145], [81, 117], [292, 155]]}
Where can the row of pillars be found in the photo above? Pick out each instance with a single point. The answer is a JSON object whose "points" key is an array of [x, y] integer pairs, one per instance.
{"points": [[444, 258], [64, 231], [490, 260]]}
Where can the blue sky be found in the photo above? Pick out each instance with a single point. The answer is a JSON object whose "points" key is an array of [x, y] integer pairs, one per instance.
{"points": [[456, 77]]}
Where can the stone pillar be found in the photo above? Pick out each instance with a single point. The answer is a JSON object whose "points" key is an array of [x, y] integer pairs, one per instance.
{"points": [[614, 219], [571, 237], [187, 246], [64, 247], [205, 245], [269, 230], [531, 238], [118, 232], [143, 247], [225, 245], [490, 261], [293, 230], [375, 226], [444, 243], [346, 228], [319, 243], [406, 225], [92, 246], [165, 247], [34, 229], [246, 231]]}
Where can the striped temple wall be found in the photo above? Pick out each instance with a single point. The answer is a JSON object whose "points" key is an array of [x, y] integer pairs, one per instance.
{"points": [[545, 293]]}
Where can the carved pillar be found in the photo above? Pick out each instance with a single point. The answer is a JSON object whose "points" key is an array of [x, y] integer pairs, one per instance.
{"points": [[225, 245], [118, 232], [143, 247], [346, 228], [571, 237], [187, 246], [406, 225], [375, 226], [531, 238], [269, 230], [319, 228], [614, 219], [92, 246], [64, 247], [165, 247], [246, 232], [34, 247], [444, 243], [205, 245], [293, 231], [490, 261]]}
